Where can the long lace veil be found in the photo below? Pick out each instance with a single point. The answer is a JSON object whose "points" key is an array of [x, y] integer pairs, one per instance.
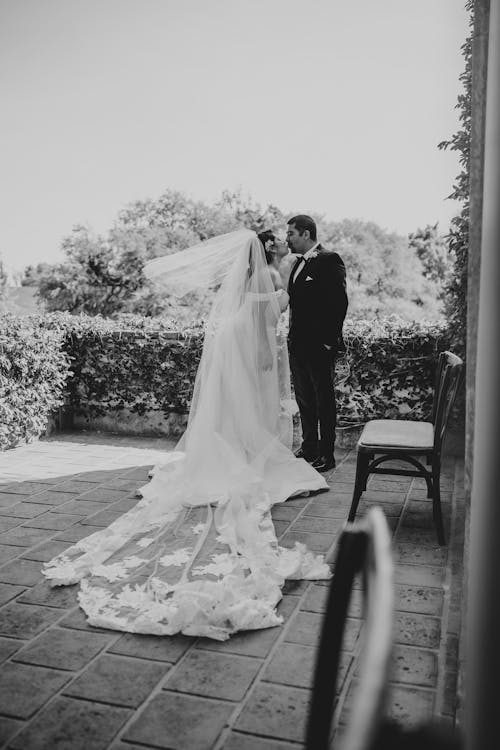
{"points": [[235, 409], [198, 554], [203, 265]]}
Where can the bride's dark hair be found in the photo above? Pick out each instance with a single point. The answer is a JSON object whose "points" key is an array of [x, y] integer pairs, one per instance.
{"points": [[264, 237]]}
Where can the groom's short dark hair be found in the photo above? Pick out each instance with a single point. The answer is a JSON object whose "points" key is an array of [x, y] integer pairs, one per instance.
{"points": [[303, 222]]}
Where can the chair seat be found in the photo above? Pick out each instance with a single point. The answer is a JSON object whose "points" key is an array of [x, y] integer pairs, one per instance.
{"points": [[397, 434]]}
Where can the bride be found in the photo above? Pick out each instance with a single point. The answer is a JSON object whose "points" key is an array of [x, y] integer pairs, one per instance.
{"points": [[198, 554]]}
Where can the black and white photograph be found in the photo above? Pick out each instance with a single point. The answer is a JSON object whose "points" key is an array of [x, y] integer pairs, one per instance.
{"points": [[249, 367]]}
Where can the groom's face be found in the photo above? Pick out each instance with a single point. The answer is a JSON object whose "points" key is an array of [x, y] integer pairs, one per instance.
{"points": [[296, 242]]}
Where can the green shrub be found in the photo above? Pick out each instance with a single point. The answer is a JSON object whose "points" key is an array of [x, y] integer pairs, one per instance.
{"points": [[33, 373], [388, 370], [134, 362], [99, 365]]}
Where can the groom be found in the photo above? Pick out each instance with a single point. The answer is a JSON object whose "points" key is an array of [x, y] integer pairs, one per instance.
{"points": [[318, 305]]}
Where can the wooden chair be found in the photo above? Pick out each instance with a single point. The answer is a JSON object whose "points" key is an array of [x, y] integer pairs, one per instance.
{"points": [[403, 440], [364, 547]]}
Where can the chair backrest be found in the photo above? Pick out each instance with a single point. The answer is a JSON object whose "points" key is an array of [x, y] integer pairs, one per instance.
{"points": [[364, 546], [448, 377], [438, 378]]}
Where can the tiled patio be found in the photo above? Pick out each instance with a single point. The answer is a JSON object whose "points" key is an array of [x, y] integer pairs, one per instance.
{"points": [[64, 684]]}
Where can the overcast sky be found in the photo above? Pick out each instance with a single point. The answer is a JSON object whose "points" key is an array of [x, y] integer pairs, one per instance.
{"points": [[334, 106]]}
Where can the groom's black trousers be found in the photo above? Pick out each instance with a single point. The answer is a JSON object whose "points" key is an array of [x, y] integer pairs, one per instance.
{"points": [[312, 373]]}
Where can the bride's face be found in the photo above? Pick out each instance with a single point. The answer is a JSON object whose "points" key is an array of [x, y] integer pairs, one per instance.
{"points": [[280, 248]]}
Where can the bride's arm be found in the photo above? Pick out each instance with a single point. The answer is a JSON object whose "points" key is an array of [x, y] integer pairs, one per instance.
{"points": [[283, 300], [285, 268], [264, 351], [282, 294]]}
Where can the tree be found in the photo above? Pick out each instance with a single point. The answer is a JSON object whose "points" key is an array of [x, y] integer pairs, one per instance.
{"points": [[381, 275], [98, 277], [246, 212], [33, 274], [432, 250], [103, 275], [170, 223], [3, 280], [174, 221]]}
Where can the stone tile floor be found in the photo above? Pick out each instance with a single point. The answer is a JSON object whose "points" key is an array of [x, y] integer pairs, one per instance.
{"points": [[66, 685]]}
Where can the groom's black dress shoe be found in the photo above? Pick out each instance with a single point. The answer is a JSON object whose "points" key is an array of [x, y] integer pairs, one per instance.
{"points": [[324, 463], [300, 454]]}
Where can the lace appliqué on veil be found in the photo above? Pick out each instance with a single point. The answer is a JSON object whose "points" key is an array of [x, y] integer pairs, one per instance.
{"points": [[210, 589], [198, 554]]}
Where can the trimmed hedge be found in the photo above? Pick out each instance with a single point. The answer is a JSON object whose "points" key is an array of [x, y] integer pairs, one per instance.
{"points": [[100, 365], [135, 363], [34, 371], [389, 369]]}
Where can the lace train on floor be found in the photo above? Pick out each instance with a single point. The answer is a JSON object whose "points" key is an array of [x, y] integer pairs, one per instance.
{"points": [[207, 569]]}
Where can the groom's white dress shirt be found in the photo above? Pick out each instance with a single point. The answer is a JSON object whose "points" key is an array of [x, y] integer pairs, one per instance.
{"points": [[307, 256]]}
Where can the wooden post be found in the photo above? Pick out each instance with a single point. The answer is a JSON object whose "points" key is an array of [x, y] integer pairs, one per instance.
{"points": [[482, 710], [476, 177]]}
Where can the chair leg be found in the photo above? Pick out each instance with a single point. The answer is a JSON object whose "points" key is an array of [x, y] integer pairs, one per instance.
{"points": [[359, 484], [366, 460], [436, 506], [429, 461], [429, 482]]}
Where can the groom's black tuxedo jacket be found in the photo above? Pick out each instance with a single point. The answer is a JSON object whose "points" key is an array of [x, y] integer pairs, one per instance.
{"points": [[318, 302]]}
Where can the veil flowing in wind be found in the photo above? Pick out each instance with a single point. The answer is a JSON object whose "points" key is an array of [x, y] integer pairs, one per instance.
{"points": [[198, 554]]}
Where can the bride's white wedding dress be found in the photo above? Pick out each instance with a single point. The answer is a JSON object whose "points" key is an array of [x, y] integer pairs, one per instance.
{"points": [[199, 554]]}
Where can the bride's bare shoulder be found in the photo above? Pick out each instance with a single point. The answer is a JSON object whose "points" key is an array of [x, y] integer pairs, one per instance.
{"points": [[276, 277], [272, 272], [286, 266]]}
